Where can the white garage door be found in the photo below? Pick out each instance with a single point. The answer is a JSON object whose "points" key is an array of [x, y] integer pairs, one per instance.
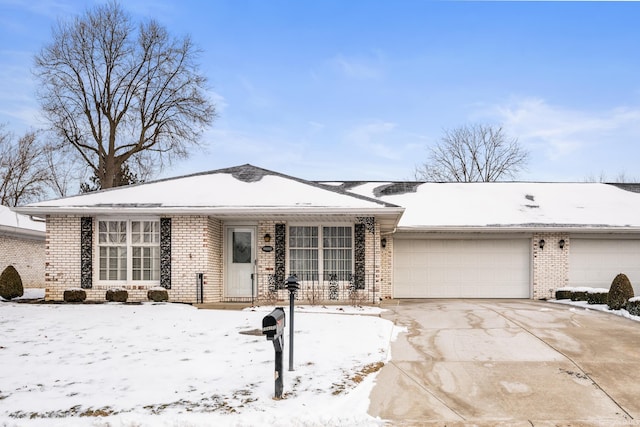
{"points": [[495, 268], [595, 262]]}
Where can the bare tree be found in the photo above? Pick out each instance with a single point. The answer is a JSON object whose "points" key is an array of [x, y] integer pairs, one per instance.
{"points": [[621, 178], [66, 170], [474, 153], [24, 174], [116, 92]]}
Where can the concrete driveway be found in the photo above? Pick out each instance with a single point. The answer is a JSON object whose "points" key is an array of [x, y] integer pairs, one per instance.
{"points": [[509, 362]]}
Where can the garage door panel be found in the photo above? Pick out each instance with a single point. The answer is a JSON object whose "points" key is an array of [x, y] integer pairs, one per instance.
{"points": [[462, 268], [595, 262]]}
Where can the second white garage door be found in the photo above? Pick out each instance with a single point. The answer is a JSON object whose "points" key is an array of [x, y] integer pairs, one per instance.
{"points": [[595, 262], [448, 268]]}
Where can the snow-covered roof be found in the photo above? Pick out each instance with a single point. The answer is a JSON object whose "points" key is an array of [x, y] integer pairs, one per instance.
{"points": [[238, 191], [250, 192], [513, 205], [17, 225]]}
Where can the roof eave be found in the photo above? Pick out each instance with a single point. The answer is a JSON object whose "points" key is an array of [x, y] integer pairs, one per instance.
{"points": [[75, 210], [388, 217], [540, 228], [23, 233]]}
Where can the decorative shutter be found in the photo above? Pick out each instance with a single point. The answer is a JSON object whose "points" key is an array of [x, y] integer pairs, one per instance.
{"points": [[280, 249], [86, 252], [165, 253], [359, 256]]}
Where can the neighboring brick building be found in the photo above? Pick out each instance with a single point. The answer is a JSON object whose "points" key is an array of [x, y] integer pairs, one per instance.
{"points": [[236, 234], [22, 245]]}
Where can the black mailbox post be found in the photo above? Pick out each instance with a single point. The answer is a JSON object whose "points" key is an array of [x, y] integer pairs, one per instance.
{"points": [[273, 328]]}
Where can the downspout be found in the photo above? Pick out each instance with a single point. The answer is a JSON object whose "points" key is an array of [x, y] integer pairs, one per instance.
{"points": [[37, 219]]}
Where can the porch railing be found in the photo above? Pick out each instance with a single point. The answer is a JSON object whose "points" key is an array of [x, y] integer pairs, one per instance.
{"points": [[318, 289]]}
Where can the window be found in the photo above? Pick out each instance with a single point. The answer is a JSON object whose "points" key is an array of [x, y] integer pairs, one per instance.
{"points": [[129, 250], [321, 252], [337, 252]]}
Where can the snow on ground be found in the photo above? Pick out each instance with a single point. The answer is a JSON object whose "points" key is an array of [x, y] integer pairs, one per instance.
{"points": [[174, 365], [29, 294], [597, 307]]}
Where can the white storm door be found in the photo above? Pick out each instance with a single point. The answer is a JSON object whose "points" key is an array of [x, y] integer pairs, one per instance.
{"points": [[240, 261]]}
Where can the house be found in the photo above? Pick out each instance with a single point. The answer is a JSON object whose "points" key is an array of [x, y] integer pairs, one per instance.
{"points": [[227, 235], [236, 234], [22, 245], [509, 240]]}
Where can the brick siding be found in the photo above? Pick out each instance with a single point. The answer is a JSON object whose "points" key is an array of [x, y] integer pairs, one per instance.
{"points": [[386, 268], [62, 255], [27, 256], [196, 244], [550, 264]]}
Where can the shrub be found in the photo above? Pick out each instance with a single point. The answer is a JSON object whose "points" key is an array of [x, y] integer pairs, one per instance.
{"points": [[10, 283], [117, 295], [598, 296], [619, 292], [633, 306], [74, 295], [579, 294], [563, 293], [158, 295]]}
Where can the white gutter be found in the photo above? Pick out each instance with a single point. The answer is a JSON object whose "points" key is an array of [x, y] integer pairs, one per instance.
{"points": [[541, 228], [18, 232], [195, 210]]}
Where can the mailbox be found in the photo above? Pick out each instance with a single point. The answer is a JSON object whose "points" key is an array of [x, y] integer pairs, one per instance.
{"points": [[273, 328], [273, 324]]}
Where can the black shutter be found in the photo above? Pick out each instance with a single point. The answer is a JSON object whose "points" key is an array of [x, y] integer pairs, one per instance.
{"points": [[86, 252], [165, 253], [359, 256], [281, 248]]}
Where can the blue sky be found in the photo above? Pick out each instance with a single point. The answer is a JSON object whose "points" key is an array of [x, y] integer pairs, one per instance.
{"points": [[359, 89]]}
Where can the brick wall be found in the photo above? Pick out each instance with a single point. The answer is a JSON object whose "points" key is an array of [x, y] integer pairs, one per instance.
{"points": [[196, 247], [550, 264], [266, 260], [27, 257], [373, 261], [214, 274], [386, 269], [62, 256]]}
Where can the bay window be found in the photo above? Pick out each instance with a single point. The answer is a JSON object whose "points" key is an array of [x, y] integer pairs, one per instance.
{"points": [[129, 250]]}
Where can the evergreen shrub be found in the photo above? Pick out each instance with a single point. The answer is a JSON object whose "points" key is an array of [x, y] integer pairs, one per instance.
{"points": [[580, 294], [11, 283], [117, 295], [633, 306], [74, 295], [619, 292], [563, 293], [158, 295], [598, 296]]}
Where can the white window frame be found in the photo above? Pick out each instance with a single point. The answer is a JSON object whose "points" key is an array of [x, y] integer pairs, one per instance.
{"points": [[320, 249], [129, 245]]}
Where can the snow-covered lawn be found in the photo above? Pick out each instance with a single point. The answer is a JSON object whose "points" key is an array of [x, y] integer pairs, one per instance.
{"points": [[174, 365]]}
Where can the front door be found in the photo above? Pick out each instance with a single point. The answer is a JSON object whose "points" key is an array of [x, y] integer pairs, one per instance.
{"points": [[240, 260]]}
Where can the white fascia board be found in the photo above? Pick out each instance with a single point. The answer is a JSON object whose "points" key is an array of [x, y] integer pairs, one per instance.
{"points": [[205, 210], [22, 233], [542, 228]]}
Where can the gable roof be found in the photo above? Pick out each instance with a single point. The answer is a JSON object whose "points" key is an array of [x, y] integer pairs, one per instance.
{"points": [[246, 191], [508, 205]]}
